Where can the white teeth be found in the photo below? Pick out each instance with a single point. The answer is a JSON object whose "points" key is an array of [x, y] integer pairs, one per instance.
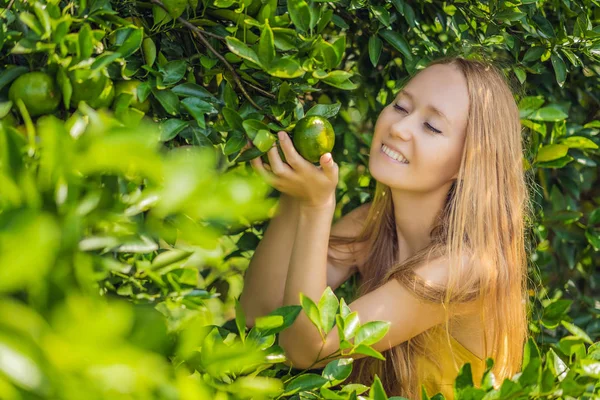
{"points": [[395, 155]]}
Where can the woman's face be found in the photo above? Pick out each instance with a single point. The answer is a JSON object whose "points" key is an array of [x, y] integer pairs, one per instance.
{"points": [[432, 141]]}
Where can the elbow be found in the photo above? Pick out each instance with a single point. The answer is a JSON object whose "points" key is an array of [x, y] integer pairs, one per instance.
{"points": [[299, 355]]}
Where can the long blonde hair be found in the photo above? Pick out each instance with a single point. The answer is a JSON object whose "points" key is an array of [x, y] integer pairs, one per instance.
{"points": [[486, 217]]}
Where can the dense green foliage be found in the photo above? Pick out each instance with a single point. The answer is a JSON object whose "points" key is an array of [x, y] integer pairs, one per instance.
{"points": [[127, 216]]}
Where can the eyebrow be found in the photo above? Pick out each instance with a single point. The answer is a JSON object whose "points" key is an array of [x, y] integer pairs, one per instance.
{"points": [[428, 106]]}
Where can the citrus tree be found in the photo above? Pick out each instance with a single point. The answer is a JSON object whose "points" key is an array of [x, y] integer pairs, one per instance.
{"points": [[129, 212]]}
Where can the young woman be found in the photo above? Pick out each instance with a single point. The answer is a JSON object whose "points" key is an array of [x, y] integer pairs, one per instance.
{"points": [[441, 251]]}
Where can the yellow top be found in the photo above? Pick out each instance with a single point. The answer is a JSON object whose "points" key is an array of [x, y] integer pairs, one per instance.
{"points": [[442, 379]]}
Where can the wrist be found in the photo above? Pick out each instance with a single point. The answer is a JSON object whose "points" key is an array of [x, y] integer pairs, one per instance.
{"points": [[328, 205]]}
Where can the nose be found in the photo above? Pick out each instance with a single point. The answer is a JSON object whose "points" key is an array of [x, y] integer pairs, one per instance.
{"points": [[402, 129]]}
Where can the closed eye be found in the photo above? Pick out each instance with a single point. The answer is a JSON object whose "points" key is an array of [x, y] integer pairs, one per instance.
{"points": [[431, 128]]}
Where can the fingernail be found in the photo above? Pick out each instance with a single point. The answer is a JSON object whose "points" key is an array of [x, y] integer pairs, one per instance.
{"points": [[282, 135]]}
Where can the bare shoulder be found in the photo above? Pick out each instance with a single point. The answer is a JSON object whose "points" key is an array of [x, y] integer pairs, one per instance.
{"points": [[437, 269], [351, 223]]}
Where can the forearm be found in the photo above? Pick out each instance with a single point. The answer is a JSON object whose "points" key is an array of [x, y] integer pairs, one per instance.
{"points": [[307, 274], [264, 280]]}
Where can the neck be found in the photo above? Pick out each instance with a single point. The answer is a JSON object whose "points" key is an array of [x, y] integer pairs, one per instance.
{"points": [[415, 214]]}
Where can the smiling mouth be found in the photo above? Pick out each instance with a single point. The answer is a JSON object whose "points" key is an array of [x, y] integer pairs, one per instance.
{"points": [[393, 155]]}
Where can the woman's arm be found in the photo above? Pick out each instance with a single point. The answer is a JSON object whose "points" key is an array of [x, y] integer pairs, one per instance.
{"points": [[264, 280], [391, 302]]}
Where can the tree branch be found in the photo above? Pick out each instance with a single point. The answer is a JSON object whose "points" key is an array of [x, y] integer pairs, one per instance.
{"points": [[198, 34]]}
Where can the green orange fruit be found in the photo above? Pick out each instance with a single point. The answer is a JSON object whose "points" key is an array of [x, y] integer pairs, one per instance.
{"points": [[97, 91], [131, 87], [38, 91], [313, 136]]}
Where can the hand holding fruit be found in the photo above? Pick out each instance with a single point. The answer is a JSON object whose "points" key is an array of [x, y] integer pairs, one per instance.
{"points": [[313, 186]]}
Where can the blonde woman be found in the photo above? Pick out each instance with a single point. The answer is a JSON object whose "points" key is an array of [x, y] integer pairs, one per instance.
{"points": [[441, 251]]}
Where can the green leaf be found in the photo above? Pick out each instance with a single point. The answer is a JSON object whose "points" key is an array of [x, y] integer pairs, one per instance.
{"points": [[381, 14], [544, 26], [252, 126], [532, 373], [564, 216], [312, 311], [286, 68], [167, 99], [578, 142], [551, 152], [10, 74], [534, 54], [355, 387], [289, 315], [375, 46], [530, 353], [304, 382], [328, 306], [594, 217], [464, 379], [65, 85], [159, 15], [560, 69], [589, 368], [529, 104], [198, 109], [549, 113], [397, 41], [338, 370], [235, 142], [233, 119], [377, 391], [299, 14], [256, 387], [351, 325], [368, 351], [86, 43], [266, 46], [577, 331], [324, 110], [132, 42], [240, 320], [339, 79], [175, 7], [339, 46], [31, 21], [104, 59], [44, 18], [240, 49], [268, 322], [555, 312], [170, 128], [325, 54], [344, 309], [149, 50], [189, 89], [520, 74], [249, 154], [371, 332], [264, 140], [173, 72]]}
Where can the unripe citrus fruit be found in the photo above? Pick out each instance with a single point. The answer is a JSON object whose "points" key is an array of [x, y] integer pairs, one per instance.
{"points": [[313, 137], [38, 92], [130, 87], [97, 92]]}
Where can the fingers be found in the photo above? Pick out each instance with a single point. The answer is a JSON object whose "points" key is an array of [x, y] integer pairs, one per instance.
{"points": [[329, 167], [263, 172], [277, 165], [292, 157]]}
